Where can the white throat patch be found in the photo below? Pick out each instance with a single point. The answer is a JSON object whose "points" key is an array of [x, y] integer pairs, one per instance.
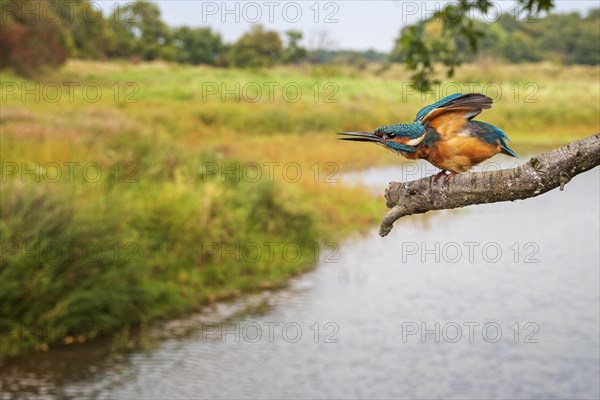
{"points": [[416, 141]]}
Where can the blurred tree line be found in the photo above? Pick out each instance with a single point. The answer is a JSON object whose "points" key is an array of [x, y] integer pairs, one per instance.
{"points": [[564, 38], [44, 33], [39, 33]]}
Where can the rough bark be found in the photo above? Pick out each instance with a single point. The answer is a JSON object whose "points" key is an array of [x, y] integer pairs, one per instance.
{"points": [[539, 175]]}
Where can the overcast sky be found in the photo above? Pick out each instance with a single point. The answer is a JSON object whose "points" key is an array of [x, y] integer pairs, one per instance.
{"points": [[357, 25]]}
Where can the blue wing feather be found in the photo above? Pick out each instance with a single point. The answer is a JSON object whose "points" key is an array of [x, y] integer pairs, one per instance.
{"points": [[426, 110]]}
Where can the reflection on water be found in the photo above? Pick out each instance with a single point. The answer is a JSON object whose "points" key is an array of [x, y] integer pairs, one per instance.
{"points": [[399, 317]]}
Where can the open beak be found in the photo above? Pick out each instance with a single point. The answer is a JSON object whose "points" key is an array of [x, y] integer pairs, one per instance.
{"points": [[361, 137]]}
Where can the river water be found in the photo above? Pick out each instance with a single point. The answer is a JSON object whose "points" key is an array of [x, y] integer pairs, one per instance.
{"points": [[487, 302]]}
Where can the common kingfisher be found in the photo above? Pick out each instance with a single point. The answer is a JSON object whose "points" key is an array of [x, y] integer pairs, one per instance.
{"points": [[444, 134]]}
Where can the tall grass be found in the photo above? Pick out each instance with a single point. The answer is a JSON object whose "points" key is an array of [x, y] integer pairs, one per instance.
{"points": [[108, 256]]}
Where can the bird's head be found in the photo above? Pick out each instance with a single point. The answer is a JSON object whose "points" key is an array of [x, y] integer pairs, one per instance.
{"points": [[399, 137]]}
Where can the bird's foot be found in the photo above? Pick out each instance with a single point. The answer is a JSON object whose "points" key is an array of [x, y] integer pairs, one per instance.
{"points": [[450, 175], [439, 175]]}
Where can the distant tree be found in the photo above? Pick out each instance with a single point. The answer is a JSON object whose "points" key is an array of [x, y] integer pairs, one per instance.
{"points": [[493, 43], [565, 38], [257, 48], [152, 35], [373, 55], [88, 28], [293, 52], [121, 39], [32, 36], [321, 45], [587, 45], [556, 35], [521, 48], [197, 45]]}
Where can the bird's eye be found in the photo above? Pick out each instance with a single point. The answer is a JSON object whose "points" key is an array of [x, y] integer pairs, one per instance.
{"points": [[391, 135]]}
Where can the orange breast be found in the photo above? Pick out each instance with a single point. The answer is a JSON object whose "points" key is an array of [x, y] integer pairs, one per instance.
{"points": [[459, 153]]}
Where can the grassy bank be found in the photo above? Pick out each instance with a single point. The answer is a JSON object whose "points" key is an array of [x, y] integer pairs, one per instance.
{"points": [[107, 257], [133, 192]]}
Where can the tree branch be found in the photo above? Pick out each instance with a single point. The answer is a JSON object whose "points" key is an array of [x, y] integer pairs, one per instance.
{"points": [[540, 175]]}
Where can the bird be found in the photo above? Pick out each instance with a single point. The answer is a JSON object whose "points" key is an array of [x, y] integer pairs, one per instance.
{"points": [[445, 134]]}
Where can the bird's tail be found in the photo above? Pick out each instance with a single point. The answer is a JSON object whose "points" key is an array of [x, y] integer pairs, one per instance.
{"points": [[495, 135], [507, 150]]}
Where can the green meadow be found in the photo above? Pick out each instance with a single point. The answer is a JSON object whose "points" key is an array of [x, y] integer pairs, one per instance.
{"points": [[132, 192]]}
